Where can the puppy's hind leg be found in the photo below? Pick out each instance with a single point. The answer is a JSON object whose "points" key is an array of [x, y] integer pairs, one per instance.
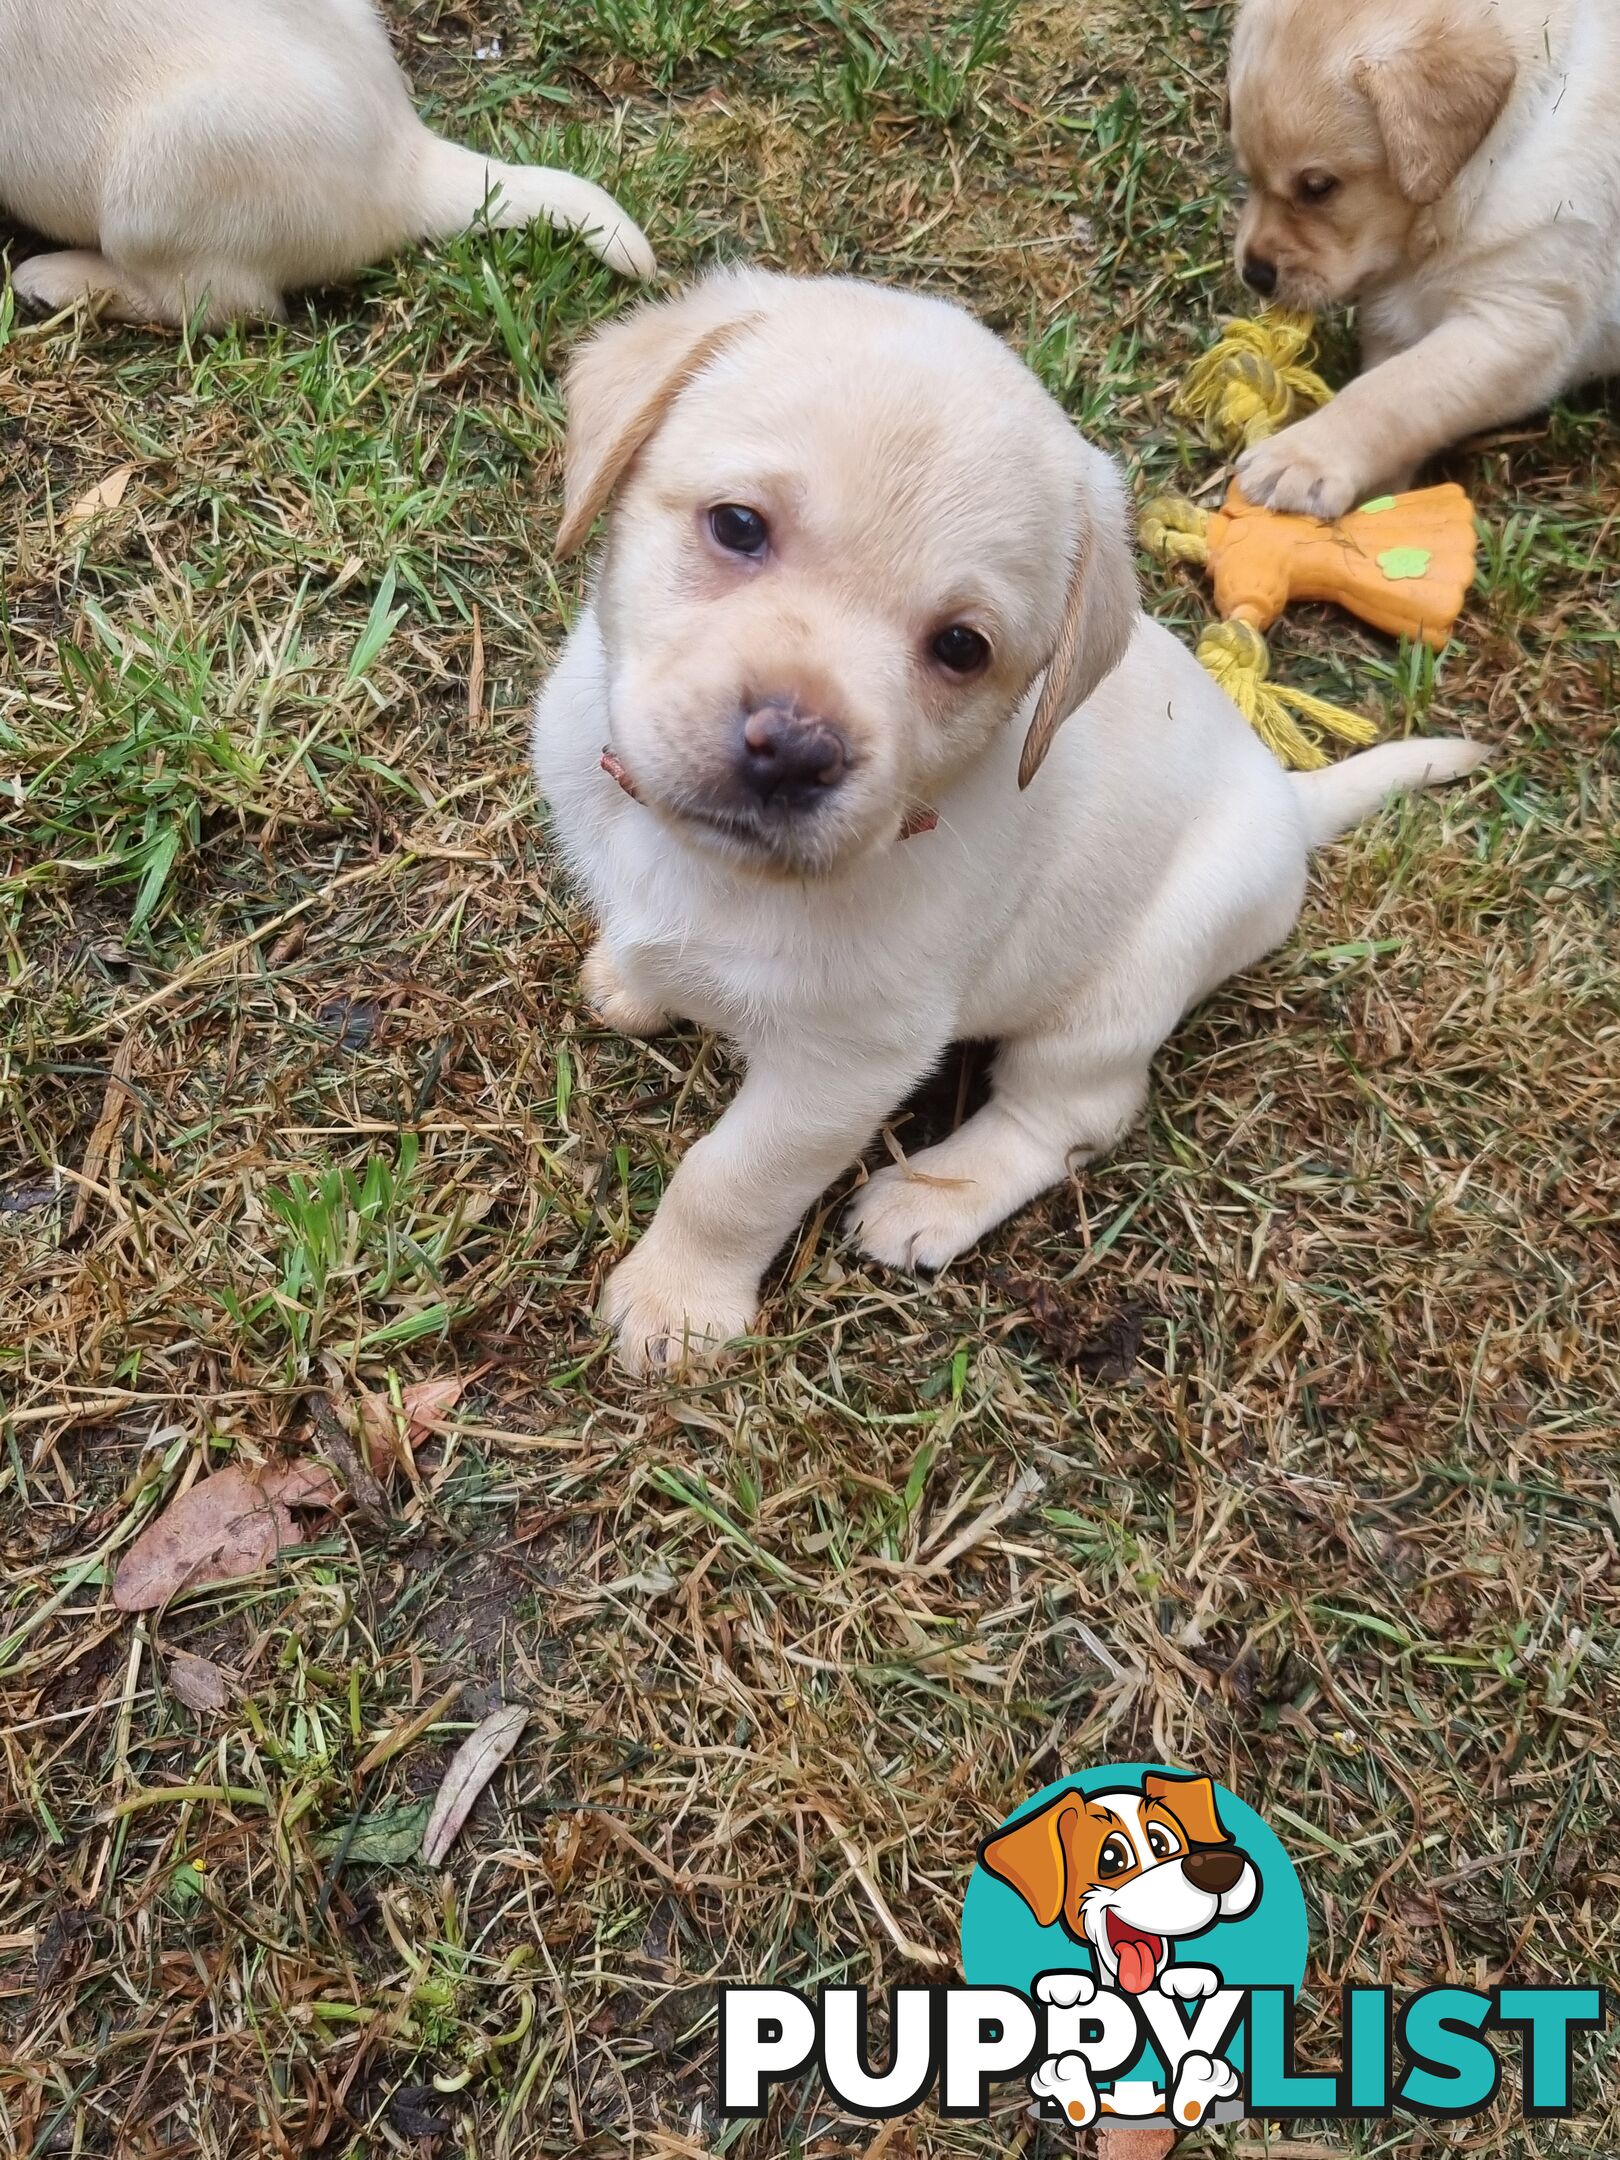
{"points": [[51, 282], [453, 187], [1057, 1103], [1065, 1096]]}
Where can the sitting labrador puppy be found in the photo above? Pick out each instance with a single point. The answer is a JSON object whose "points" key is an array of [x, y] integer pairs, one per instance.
{"points": [[802, 750], [1453, 167], [214, 154]]}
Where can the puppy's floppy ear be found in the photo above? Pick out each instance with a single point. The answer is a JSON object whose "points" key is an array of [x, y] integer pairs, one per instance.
{"points": [[1436, 99], [1192, 1802], [1031, 1858], [1099, 612], [623, 383]]}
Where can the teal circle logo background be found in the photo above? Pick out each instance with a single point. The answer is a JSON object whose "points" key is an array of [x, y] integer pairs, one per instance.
{"points": [[1003, 1944]]}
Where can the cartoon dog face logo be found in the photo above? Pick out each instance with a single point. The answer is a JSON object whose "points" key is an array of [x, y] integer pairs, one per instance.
{"points": [[1128, 1874]]}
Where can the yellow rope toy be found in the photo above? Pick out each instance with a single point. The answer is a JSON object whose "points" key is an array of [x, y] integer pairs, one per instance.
{"points": [[1402, 562]]}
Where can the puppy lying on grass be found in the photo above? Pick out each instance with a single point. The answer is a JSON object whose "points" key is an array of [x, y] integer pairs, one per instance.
{"points": [[861, 570], [1453, 167], [213, 155]]}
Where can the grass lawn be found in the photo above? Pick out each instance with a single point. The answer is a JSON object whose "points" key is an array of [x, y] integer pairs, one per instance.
{"points": [[1304, 1403]]}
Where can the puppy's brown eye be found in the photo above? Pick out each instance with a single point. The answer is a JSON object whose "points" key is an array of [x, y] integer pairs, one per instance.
{"points": [[739, 530], [960, 649], [1115, 1857], [1317, 187]]}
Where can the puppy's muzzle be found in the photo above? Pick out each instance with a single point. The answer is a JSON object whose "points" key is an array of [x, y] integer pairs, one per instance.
{"points": [[1259, 274], [1214, 1869], [785, 761]]}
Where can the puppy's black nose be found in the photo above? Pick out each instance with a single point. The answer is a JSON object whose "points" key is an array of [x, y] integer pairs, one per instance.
{"points": [[789, 759], [1214, 1868], [1260, 275]]}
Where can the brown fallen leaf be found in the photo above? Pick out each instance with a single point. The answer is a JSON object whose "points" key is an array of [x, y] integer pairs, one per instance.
{"points": [[300, 1484], [333, 1439], [423, 1404], [472, 1766], [230, 1524], [199, 1683], [107, 494]]}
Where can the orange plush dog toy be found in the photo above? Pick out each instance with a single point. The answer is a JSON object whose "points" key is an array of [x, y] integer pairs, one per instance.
{"points": [[1403, 563]]}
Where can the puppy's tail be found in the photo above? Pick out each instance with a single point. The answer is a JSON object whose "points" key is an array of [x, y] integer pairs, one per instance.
{"points": [[454, 186], [1339, 796]]}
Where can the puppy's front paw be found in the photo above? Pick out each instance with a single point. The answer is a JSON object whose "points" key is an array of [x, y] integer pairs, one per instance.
{"points": [[907, 1218], [1189, 1983], [1307, 469], [670, 1314], [620, 1007]]}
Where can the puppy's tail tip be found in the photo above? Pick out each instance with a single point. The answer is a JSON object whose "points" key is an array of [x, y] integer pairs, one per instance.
{"points": [[454, 186], [1339, 796]]}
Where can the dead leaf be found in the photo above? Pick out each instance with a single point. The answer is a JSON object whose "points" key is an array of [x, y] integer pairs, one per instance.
{"points": [[332, 1437], [386, 1840], [426, 1403], [231, 1524], [199, 1683], [472, 1766], [1143, 2144], [107, 494], [300, 1484], [423, 1405]]}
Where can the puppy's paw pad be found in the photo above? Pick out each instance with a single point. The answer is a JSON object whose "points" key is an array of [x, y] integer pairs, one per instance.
{"points": [[1066, 2081], [912, 1221], [668, 1319], [1200, 2081]]}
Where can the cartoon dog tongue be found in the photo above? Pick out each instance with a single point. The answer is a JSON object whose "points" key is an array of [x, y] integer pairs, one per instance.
{"points": [[1138, 1955]]}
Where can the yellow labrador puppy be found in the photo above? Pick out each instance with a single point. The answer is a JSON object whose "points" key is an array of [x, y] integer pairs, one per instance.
{"points": [[216, 154], [803, 751], [1453, 167]]}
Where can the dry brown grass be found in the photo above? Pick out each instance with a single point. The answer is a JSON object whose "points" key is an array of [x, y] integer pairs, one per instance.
{"points": [[1316, 1376]]}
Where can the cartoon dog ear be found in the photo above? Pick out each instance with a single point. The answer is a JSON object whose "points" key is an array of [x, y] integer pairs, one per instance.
{"points": [[1099, 611], [1192, 1801], [1031, 1858], [1436, 99], [623, 383]]}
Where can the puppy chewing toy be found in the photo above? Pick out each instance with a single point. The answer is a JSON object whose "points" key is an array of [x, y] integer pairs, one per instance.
{"points": [[1402, 563]]}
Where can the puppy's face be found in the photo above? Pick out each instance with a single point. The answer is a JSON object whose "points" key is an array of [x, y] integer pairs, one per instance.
{"points": [[1348, 121], [839, 558], [1128, 1874]]}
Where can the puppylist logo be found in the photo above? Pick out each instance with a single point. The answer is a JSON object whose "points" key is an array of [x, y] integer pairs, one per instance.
{"points": [[1133, 1941]]}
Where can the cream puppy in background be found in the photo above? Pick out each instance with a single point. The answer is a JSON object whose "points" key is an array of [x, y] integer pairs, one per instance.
{"points": [[1452, 167], [217, 154], [860, 569]]}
